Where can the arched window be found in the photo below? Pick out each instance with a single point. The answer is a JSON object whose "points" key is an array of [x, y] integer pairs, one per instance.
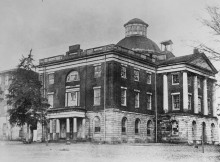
{"points": [[149, 128], [97, 127], [124, 125], [212, 131], [194, 129], [72, 76], [175, 127], [137, 126]]}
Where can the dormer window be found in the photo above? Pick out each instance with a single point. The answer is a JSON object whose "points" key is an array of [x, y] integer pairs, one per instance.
{"points": [[72, 76]]}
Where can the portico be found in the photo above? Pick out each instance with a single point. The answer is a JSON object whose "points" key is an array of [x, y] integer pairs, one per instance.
{"points": [[66, 124]]}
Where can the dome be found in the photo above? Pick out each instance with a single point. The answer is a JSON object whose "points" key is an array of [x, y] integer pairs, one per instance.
{"points": [[136, 21], [138, 43]]}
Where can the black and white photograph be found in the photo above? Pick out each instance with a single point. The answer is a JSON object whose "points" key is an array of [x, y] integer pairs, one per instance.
{"points": [[109, 81]]}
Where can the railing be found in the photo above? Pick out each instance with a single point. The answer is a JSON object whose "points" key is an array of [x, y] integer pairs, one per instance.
{"points": [[96, 50]]}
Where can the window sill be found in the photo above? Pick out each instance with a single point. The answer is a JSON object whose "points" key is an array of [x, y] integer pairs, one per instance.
{"points": [[175, 83], [124, 105], [123, 77]]}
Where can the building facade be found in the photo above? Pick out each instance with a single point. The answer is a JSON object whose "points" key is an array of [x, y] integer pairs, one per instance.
{"points": [[130, 92], [7, 131]]}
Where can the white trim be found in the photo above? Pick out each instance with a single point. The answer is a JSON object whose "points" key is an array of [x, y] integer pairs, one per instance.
{"points": [[182, 67], [176, 93], [73, 90], [97, 64], [76, 86], [148, 72], [124, 65], [149, 93], [97, 87], [66, 114], [124, 87], [190, 94], [96, 60], [50, 93], [136, 90], [52, 72]]}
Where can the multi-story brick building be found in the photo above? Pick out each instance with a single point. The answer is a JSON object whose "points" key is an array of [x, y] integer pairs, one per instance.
{"points": [[130, 92], [7, 131]]}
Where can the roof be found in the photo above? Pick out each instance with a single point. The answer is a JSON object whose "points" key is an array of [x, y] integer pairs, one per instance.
{"points": [[138, 42], [136, 21], [199, 59]]}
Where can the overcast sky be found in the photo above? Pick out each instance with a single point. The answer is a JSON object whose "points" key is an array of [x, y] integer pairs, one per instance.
{"points": [[51, 26]]}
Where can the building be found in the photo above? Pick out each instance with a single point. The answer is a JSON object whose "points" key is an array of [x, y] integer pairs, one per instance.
{"points": [[129, 92], [7, 131]]}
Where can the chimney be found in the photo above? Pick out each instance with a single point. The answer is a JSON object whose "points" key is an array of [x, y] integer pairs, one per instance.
{"points": [[196, 51], [165, 44]]}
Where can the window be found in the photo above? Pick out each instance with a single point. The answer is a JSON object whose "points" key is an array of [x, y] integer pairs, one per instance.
{"points": [[72, 97], [50, 100], [189, 102], [148, 78], [199, 104], [41, 78], [150, 128], [199, 83], [51, 78], [123, 96], [189, 80], [175, 79], [124, 125], [175, 127], [73, 76], [6, 80], [136, 75], [97, 71], [194, 129], [123, 72], [212, 131], [137, 126], [209, 106], [97, 128], [97, 96], [149, 106], [176, 101], [136, 99]]}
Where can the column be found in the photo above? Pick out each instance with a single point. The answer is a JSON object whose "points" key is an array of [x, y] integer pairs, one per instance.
{"points": [[205, 104], [185, 91], [83, 128], [214, 106], [51, 129], [67, 130], [165, 93], [195, 94], [58, 129], [74, 129]]}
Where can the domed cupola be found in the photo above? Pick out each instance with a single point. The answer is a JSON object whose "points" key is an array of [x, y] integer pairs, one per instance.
{"points": [[136, 37], [136, 27]]}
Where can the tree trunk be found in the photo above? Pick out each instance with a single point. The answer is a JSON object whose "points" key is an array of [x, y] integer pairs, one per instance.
{"points": [[27, 134]]}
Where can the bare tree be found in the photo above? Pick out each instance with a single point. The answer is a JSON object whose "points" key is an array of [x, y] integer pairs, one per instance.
{"points": [[213, 22]]}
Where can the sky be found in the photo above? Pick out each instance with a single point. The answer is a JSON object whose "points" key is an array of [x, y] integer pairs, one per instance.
{"points": [[49, 27]]}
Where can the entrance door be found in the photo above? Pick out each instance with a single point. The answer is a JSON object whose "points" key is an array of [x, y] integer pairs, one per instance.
{"points": [[62, 128]]}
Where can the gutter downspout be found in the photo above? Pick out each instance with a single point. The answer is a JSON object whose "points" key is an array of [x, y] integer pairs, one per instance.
{"points": [[155, 86], [105, 100]]}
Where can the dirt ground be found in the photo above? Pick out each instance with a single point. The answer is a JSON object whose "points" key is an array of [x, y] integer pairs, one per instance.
{"points": [[88, 152]]}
